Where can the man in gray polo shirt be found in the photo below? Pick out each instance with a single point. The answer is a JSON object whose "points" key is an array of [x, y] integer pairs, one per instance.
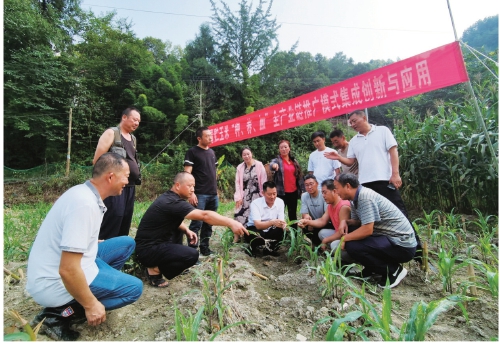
{"points": [[312, 207], [385, 237]]}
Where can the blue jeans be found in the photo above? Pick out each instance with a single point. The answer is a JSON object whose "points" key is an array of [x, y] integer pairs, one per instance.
{"points": [[202, 229], [113, 288]]}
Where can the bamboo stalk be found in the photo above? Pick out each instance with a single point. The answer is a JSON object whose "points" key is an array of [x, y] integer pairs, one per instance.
{"points": [[221, 273], [472, 278], [8, 272], [425, 257], [259, 275]]}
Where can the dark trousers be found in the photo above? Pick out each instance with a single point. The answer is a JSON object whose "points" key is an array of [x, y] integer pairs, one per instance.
{"points": [[118, 217], [276, 234], [312, 235], [171, 258], [378, 255], [202, 229], [394, 196], [290, 200]]}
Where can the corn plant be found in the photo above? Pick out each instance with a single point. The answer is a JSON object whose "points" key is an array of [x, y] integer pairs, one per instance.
{"points": [[333, 275], [226, 241], [312, 255], [186, 327], [448, 266], [214, 287], [423, 316], [29, 334], [429, 221], [490, 277], [295, 240]]}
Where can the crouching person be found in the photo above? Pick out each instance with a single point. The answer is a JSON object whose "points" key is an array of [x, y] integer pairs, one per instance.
{"points": [[267, 217], [338, 210], [385, 238], [160, 233], [75, 277]]}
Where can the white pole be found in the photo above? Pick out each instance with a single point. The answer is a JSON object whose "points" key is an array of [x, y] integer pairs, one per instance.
{"points": [[474, 99]]}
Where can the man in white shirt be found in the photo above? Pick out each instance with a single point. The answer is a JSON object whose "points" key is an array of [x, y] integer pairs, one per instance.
{"points": [[376, 151], [267, 218], [342, 146], [322, 167], [70, 273]]}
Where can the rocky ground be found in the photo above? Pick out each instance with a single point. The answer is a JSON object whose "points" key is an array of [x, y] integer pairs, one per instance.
{"points": [[284, 307]]}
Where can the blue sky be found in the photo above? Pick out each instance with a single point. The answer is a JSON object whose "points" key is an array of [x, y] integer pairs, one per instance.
{"points": [[361, 29]]}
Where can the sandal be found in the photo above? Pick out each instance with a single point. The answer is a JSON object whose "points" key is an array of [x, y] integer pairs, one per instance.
{"points": [[156, 280]]}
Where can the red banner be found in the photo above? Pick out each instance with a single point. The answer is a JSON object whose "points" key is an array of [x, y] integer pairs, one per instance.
{"points": [[434, 69]]}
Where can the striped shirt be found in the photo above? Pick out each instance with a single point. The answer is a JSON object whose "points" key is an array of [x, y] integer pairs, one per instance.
{"points": [[388, 220]]}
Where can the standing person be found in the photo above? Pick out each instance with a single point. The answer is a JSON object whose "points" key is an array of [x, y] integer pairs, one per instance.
{"points": [[312, 207], [73, 275], [159, 237], [288, 178], [322, 167], [201, 162], [376, 150], [385, 238], [250, 176], [267, 217], [342, 146], [118, 217]]}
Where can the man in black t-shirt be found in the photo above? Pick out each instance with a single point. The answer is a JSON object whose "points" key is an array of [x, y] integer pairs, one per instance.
{"points": [[201, 162], [118, 217], [159, 237]]}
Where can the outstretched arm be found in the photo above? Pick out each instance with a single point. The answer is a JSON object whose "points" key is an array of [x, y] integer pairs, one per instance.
{"points": [[212, 218]]}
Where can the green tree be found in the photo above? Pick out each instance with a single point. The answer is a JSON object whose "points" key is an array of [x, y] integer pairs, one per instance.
{"points": [[483, 34]]}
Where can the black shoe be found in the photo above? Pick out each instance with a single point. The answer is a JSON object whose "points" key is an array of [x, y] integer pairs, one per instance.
{"points": [[267, 252], [197, 262], [206, 252], [57, 323], [185, 272]]}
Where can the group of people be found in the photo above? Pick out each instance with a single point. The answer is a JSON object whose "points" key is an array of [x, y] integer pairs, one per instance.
{"points": [[74, 264]]}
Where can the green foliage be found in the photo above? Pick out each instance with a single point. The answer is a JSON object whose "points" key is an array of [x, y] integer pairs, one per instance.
{"points": [[444, 153], [186, 327], [448, 266], [483, 34]]}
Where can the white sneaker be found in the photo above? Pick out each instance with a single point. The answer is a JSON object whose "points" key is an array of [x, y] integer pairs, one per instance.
{"points": [[396, 278]]}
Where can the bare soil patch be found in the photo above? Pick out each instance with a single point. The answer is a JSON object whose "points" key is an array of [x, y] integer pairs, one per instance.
{"points": [[282, 308]]}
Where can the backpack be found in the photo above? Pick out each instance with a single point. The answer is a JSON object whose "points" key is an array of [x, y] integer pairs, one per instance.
{"points": [[117, 146]]}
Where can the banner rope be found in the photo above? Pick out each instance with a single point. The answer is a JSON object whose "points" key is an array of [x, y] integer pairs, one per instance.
{"points": [[175, 138], [477, 57]]}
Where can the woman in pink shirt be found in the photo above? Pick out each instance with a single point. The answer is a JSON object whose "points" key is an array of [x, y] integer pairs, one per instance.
{"points": [[288, 178]]}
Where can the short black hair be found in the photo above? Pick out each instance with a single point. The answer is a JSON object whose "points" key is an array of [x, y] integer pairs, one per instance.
{"points": [[316, 134], [128, 110], [245, 148], [329, 184], [268, 185], [348, 178], [336, 133], [310, 176], [107, 162], [200, 130], [357, 112]]}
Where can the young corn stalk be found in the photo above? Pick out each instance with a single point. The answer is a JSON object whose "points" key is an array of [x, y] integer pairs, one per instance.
{"points": [[333, 275], [423, 316], [186, 327], [489, 275], [29, 334], [295, 239], [447, 265], [428, 221]]}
